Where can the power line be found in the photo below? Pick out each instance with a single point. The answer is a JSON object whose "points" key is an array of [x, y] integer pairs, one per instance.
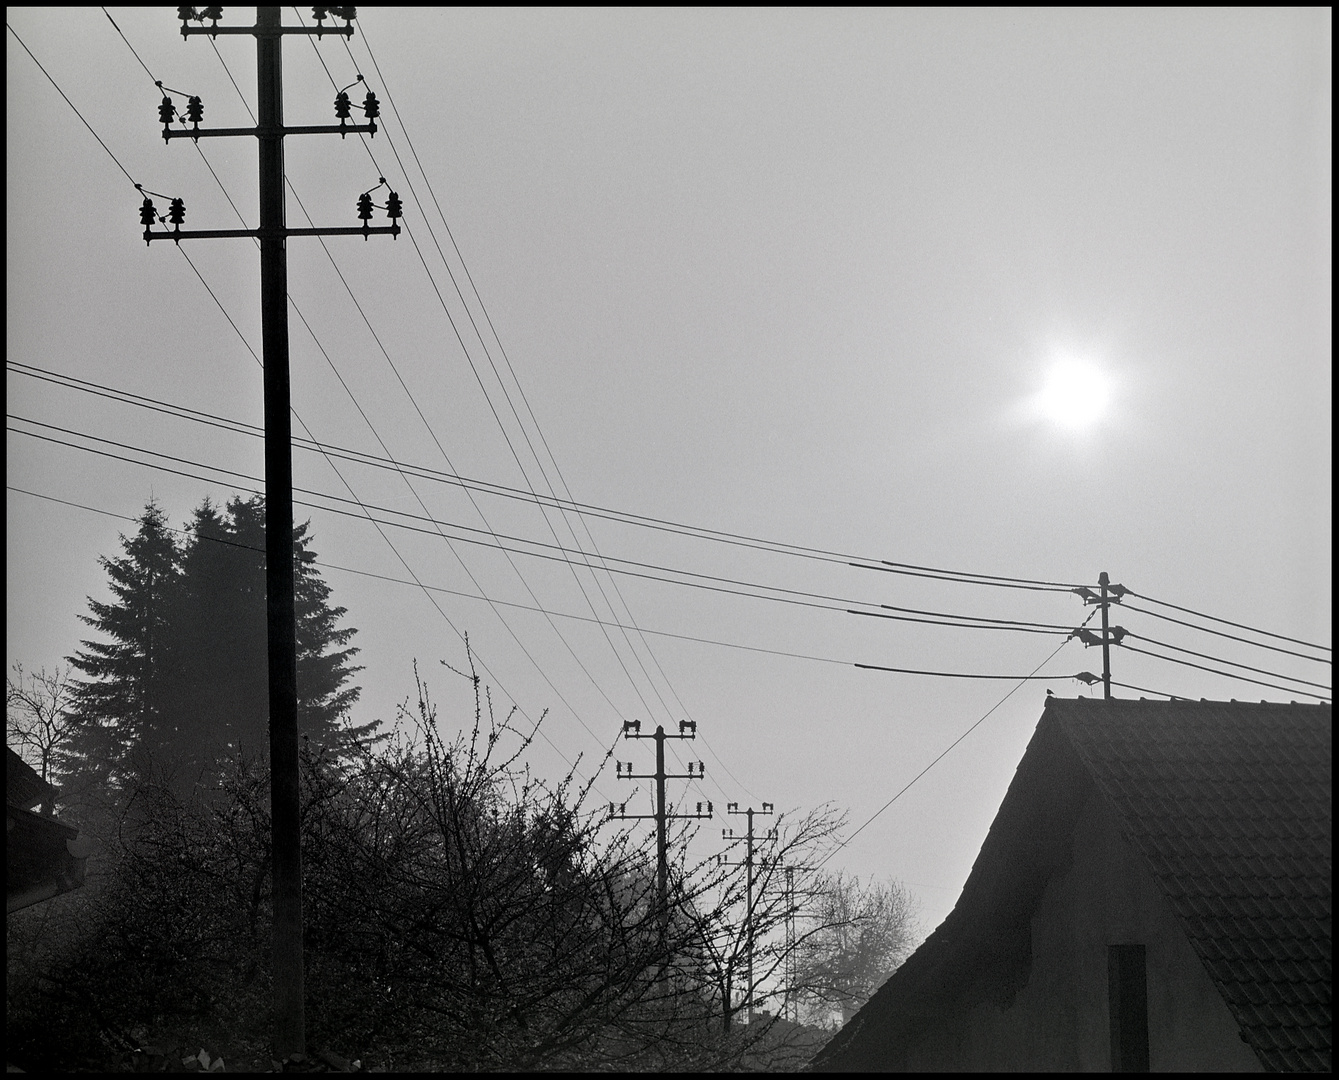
{"points": [[515, 379], [1229, 622], [422, 471], [325, 354], [225, 424], [330, 450], [72, 105], [947, 750], [233, 324], [798, 597], [483, 486], [954, 674], [1227, 674], [506, 357], [367, 511], [454, 592], [507, 438], [1230, 663], [446, 457], [1224, 634], [912, 570], [977, 624]]}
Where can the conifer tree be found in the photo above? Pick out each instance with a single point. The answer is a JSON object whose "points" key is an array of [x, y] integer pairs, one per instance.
{"points": [[122, 705], [184, 676]]}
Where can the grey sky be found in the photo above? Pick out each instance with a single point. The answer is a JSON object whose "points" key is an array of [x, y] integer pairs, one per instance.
{"points": [[795, 274]]}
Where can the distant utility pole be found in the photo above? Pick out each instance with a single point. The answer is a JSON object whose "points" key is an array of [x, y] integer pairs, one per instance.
{"points": [[1109, 594], [790, 942], [632, 729], [281, 622], [748, 863]]}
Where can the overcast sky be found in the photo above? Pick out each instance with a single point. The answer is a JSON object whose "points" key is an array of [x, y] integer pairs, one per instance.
{"points": [[802, 275]]}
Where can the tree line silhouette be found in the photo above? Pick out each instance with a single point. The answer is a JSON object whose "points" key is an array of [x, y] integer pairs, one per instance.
{"points": [[460, 913]]}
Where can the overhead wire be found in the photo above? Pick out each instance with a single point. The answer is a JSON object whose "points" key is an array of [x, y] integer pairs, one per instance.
{"points": [[799, 597], [1227, 674], [1229, 622], [72, 105], [478, 378], [367, 420], [1278, 675], [1224, 634], [1219, 659], [896, 567], [326, 564], [964, 578], [525, 400], [947, 750], [232, 323], [389, 457], [890, 566], [599, 688], [521, 392], [362, 457]]}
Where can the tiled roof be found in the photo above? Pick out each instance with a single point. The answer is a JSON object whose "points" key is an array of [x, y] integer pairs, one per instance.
{"points": [[1230, 803]]}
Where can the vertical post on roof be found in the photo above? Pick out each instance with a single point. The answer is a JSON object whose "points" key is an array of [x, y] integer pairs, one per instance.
{"points": [[1103, 581]]}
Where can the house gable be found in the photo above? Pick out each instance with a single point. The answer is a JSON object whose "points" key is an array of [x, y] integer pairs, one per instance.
{"points": [[1055, 1015], [1199, 832]]}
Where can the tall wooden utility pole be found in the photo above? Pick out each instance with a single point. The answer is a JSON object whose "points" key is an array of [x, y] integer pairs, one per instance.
{"points": [[280, 610], [748, 864], [632, 729]]}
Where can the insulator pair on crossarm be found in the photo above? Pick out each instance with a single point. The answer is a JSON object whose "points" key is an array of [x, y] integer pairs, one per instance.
{"points": [[148, 212], [176, 214], [632, 729], [320, 14], [195, 108], [213, 14], [344, 107], [394, 209]]}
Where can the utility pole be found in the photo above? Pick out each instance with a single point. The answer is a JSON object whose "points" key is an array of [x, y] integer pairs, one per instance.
{"points": [[281, 622], [790, 940], [632, 729], [729, 834], [1111, 635]]}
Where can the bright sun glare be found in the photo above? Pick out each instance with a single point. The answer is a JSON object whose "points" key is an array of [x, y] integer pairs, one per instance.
{"points": [[1075, 396]]}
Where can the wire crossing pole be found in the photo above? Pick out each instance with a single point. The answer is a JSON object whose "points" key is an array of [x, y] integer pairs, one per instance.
{"points": [[632, 729], [280, 606], [1111, 635], [733, 808]]}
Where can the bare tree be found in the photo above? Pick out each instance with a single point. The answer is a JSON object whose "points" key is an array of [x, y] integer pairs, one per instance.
{"points": [[460, 914], [742, 941], [859, 934], [37, 715]]}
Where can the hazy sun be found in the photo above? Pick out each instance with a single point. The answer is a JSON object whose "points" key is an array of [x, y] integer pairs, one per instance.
{"points": [[1075, 396]]}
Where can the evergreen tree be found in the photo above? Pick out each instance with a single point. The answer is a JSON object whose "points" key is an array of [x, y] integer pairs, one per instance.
{"points": [[122, 705], [231, 575], [184, 676], [224, 688]]}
